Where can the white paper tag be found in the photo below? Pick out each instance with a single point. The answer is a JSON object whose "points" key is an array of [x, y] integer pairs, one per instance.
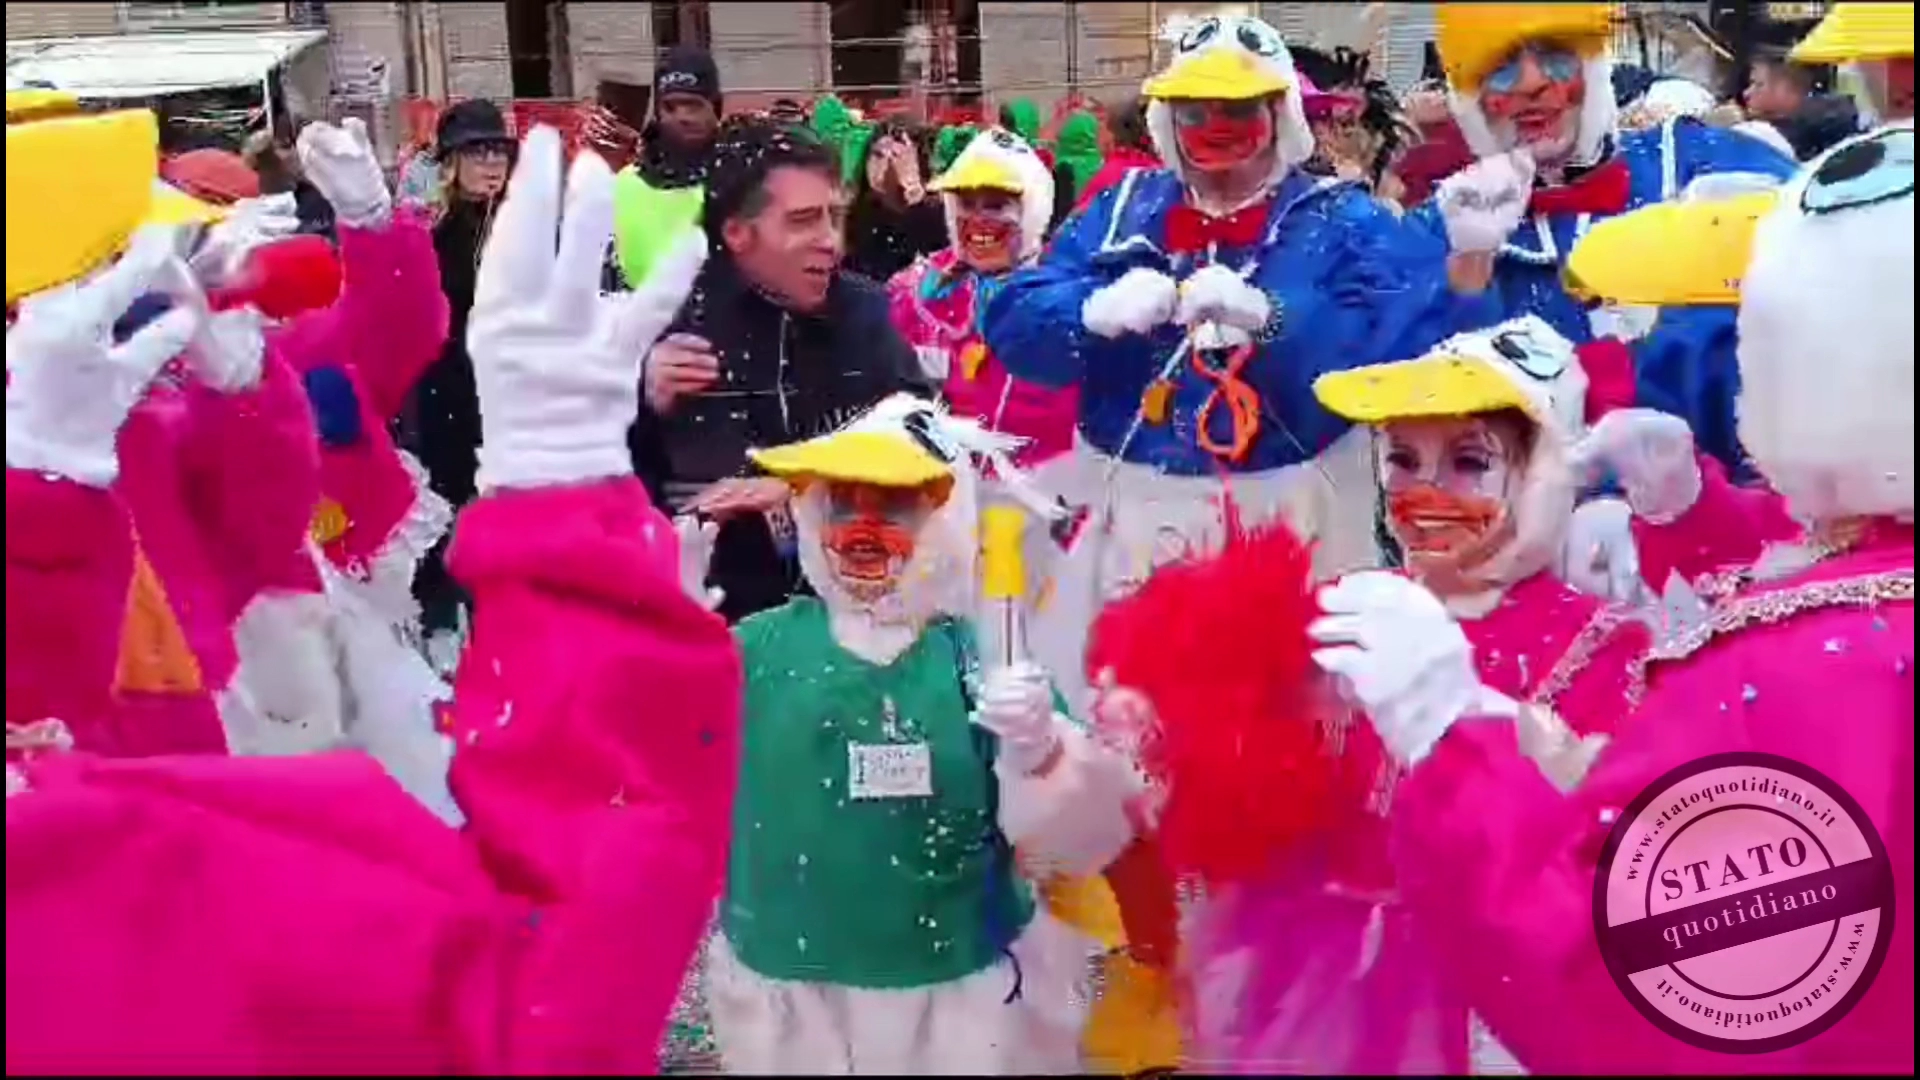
{"points": [[889, 771], [935, 361]]}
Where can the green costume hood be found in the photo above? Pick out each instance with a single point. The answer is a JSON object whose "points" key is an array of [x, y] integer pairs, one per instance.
{"points": [[952, 140], [1023, 116], [835, 125], [1078, 148]]}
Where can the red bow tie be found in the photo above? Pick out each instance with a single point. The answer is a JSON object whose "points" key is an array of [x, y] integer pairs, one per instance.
{"points": [[1190, 232], [1601, 190]]}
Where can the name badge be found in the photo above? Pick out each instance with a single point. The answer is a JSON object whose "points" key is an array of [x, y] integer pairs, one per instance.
{"points": [[891, 771]]}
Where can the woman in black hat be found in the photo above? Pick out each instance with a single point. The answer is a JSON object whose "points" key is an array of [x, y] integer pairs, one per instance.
{"points": [[476, 152]]}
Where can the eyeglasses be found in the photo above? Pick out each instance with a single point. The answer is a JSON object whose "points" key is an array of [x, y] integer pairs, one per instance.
{"points": [[1557, 62], [1874, 170], [1196, 113], [484, 150]]}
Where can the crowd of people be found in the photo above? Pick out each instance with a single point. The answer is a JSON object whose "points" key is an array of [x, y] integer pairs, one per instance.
{"points": [[998, 600]]}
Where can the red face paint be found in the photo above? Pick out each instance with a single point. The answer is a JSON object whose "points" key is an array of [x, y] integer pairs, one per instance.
{"points": [[1216, 135]]}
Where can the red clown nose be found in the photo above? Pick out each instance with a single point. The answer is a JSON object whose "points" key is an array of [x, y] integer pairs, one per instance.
{"points": [[284, 279]]}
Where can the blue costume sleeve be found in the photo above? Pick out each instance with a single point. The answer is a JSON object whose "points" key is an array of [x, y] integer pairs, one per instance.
{"points": [[1032, 324]]}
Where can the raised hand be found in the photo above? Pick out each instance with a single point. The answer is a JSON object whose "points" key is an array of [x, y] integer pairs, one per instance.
{"points": [[70, 385], [557, 364], [341, 163]]}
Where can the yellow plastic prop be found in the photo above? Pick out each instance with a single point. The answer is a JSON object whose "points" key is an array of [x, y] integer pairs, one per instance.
{"points": [[1134, 1025], [1434, 385], [1221, 73], [1475, 38], [1003, 563], [1854, 33], [1670, 254], [154, 656], [77, 187]]}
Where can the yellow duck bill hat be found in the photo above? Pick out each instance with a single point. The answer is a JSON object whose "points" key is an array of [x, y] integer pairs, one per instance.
{"points": [[1224, 58], [1696, 251], [900, 443], [1475, 39], [77, 188], [1519, 364], [1859, 33], [987, 164]]}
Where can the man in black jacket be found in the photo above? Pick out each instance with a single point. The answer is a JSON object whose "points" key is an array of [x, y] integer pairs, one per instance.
{"points": [[775, 344]]}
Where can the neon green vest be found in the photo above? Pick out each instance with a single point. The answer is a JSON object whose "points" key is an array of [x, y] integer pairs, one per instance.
{"points": [[647, 220]]}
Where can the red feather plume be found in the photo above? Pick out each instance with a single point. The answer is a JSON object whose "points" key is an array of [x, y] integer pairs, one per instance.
{"points": [[1241, 747], [285, 278]]}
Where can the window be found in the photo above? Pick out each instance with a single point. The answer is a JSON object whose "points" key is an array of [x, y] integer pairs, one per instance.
{"points": [[681, 22], [201, 15]]}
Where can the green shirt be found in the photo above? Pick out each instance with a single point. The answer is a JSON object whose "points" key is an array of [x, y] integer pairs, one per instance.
{"points": [[831, 883]]}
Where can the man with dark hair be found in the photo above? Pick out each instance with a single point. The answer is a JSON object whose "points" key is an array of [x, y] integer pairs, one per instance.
{"points": [[1788, 96], [660, 192], [775, 344]]}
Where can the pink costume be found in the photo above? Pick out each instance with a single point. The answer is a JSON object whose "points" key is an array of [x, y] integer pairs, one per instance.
{"points": [[1725, 529], [1345, 982], [1835, 640], [937, 303], [221, 488], [377, 339], [266, 915], [936, 307]]}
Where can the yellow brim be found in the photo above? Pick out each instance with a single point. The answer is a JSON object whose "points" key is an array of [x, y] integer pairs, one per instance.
{"points": [[77, 187], [1669, 254], [855, 457], [26, 103], [1218, 74], [1438, 384], [1854, 33], [171, 206], [979, 173]]}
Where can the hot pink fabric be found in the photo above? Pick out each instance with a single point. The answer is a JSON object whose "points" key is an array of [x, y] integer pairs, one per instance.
{"points": [[69, 559], [1119, 161], [1499, 867], [384, 331], [1725, 529], [304, 915], [221, 488], [1042, 415], [1340, 977]]}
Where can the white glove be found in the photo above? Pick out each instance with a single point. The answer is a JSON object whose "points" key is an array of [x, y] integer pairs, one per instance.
{"points": [[340, 162], [1483, 203], [1141, 300], [1215, 294], [1599, 557], [696, 556], [1653, 455], [69, 387], [1401, 658], [558, 366], [1016, 704], [250, 223]]}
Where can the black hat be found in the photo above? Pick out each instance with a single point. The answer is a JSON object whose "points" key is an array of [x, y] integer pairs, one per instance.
{"points": [[687, 69], [469, 123]]}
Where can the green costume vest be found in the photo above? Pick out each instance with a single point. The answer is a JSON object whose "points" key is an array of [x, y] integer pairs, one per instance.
{"points": [[844, 868], [647, 220]]}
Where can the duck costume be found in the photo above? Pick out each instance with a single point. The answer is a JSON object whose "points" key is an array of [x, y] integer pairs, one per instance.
{"points": [[218, 462], [998, 196], [1531, 90], [227, 915], [1817, 628], [878, 918], [1194, 329]]}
